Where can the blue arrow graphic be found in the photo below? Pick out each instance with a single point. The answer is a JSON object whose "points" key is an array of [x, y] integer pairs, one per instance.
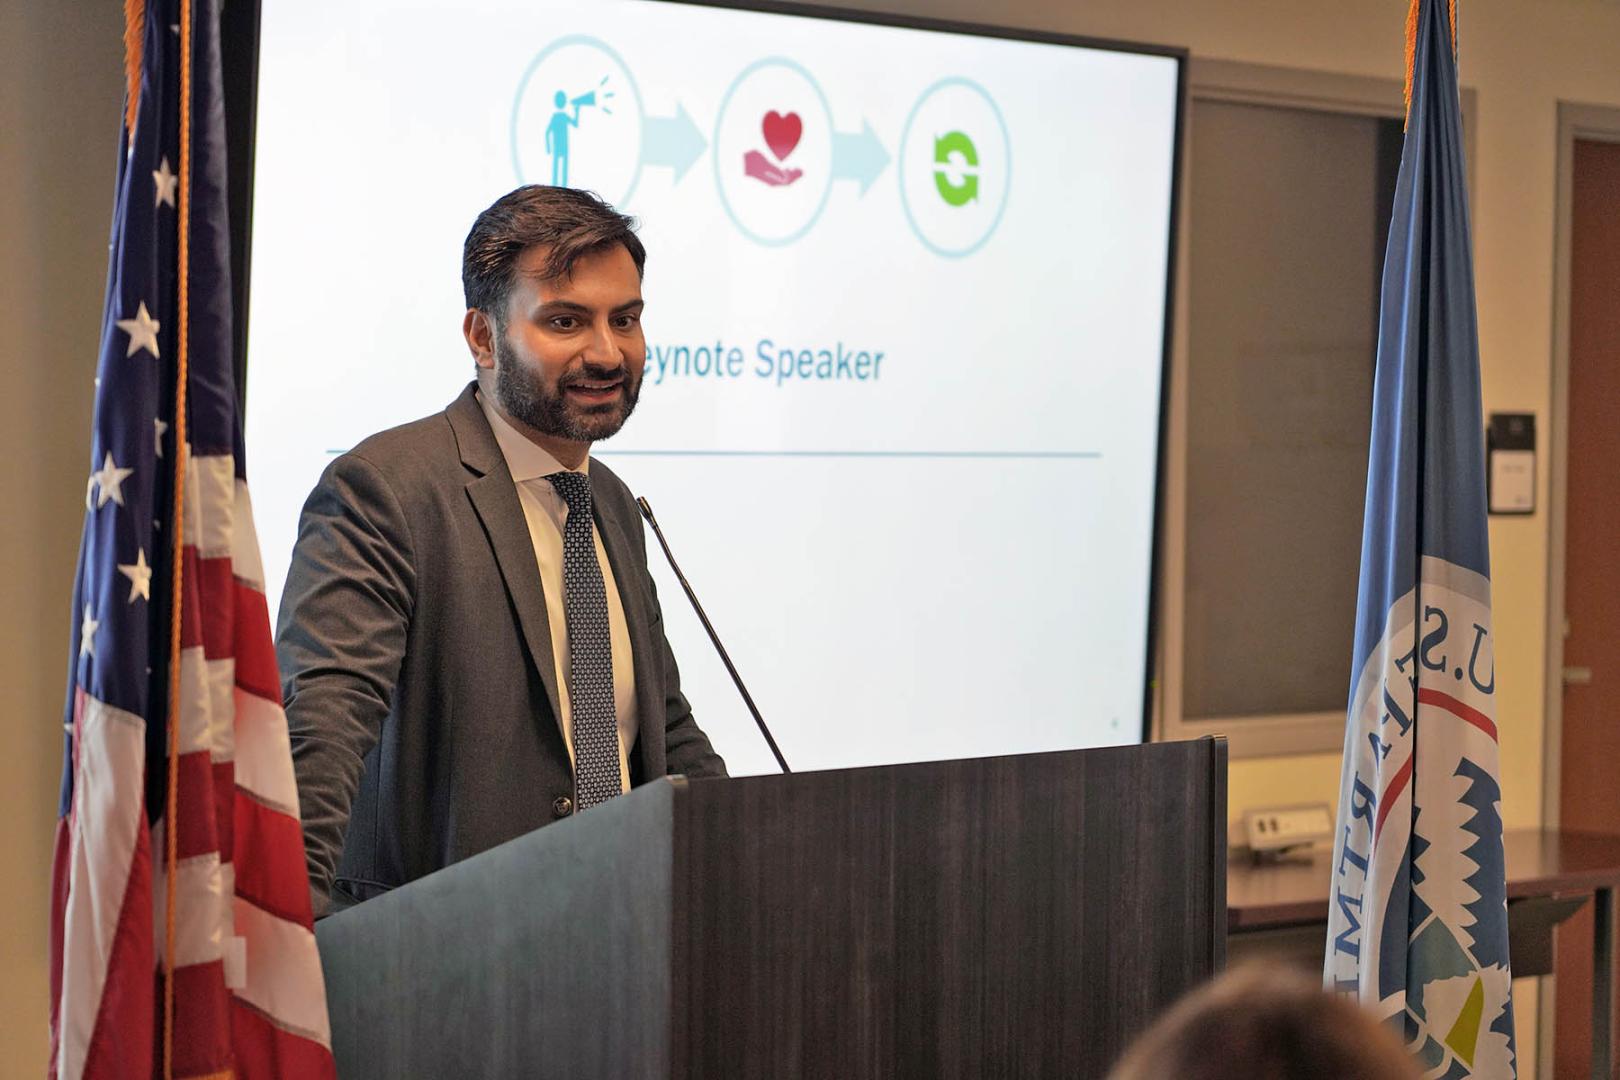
{"points": [[859, 157], [673, 141]]}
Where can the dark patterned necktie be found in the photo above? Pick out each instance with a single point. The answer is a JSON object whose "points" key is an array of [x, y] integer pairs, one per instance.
{"points": [[590, 651]]}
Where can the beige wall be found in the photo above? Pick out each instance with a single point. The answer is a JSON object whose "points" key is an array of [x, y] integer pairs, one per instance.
{"points": [[59, 95], [60, 78]]}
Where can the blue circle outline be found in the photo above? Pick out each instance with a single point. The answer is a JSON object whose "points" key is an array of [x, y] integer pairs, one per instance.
{"points": [[714, 156], [900, 172], [635, 92]]}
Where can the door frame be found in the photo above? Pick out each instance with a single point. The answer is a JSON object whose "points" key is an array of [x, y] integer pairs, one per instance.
{"points": [[1598, 123]]}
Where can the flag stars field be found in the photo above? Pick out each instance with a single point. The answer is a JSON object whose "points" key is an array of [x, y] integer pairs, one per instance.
{"points": [[142, 331], [110, 480], [87, 633], [140, 577], [167, 183]]}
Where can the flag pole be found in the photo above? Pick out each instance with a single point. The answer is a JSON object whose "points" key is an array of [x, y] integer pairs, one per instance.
{"points": [[177, 538]]}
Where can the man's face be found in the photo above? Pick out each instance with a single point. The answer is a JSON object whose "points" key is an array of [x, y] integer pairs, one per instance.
{"points": [[569, 362]]}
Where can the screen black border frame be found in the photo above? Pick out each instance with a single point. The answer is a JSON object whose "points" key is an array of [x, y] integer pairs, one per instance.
{"points": [[239, 35]]}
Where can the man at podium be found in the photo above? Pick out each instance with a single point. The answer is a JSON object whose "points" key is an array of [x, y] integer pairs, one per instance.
{"points": [[470, 643]]}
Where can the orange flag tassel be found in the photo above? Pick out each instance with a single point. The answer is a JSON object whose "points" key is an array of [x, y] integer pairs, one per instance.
{"points": [[134, 46], [1411, 55], [1411, 45]]}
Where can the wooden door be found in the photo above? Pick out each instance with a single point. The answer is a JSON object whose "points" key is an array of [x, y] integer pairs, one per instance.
{"points": [[1589, 791]]}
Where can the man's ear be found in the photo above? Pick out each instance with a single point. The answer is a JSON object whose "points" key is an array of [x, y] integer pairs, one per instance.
{"points": [[479, 330]]}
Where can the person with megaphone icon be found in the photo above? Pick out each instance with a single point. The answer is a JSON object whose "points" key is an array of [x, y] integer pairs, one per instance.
{"points": [[557, 132]]}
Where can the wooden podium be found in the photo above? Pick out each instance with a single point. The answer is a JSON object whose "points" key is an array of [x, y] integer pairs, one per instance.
{"points": [[1014, 916]]}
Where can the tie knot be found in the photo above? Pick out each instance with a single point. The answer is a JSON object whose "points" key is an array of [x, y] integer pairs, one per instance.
{"points": [[575, 489]]}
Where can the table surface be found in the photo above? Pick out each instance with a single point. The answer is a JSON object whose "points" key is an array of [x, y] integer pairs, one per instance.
{"points": [[1293, 892]]}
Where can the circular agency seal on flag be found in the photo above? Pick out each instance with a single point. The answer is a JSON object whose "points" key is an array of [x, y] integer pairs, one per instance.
{"points": [[1417, 920]]}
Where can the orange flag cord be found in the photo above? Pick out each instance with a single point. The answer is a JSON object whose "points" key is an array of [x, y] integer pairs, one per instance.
{"points": [[134, 47], [171, 828], [1411, 45]]}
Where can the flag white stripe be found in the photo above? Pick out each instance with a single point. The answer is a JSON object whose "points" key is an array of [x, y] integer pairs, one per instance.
{"points": [[206, 709], [210, 504], [108, 796], [202, 888], [283, 972], [264, 753], [246, 562]]}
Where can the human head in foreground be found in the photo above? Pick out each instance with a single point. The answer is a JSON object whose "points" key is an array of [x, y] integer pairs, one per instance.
{"points": [[1266, 1023], [552, 280]]}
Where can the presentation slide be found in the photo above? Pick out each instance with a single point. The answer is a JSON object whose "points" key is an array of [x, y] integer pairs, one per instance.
{"points": [[905, 333]]}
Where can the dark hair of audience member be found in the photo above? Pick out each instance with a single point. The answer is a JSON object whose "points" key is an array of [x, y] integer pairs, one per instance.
{"points": [[1266, 1023]]}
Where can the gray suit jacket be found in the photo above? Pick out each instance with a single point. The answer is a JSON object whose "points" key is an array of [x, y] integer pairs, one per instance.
{"points": [[416, 659]]}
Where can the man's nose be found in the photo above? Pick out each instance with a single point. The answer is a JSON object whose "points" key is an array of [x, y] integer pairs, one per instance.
{"points": [[603, 347]]}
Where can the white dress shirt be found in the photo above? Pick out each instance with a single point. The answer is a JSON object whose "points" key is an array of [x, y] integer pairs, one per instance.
{"points": [[545, 511]]}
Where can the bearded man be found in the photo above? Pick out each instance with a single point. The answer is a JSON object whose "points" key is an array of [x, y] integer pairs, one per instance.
{"points": [[470, 644]]}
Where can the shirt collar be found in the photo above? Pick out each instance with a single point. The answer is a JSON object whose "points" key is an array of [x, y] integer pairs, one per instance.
{"points": [[524, 459]]}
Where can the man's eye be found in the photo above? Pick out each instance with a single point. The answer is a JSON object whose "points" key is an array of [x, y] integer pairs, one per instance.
{"points": [[564, 322], [626, 322]]}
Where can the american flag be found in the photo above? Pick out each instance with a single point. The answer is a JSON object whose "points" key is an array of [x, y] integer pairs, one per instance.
{"points": [[210, 970]]}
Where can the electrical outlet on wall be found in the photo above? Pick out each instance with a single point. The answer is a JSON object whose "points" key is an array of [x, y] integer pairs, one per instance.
{"points": [[1278, 828]]}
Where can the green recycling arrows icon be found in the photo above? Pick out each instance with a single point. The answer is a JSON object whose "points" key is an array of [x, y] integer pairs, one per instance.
{"points": [[956, 163]]}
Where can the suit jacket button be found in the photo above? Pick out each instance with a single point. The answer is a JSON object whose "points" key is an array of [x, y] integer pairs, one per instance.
{"points": [[562, 806]]}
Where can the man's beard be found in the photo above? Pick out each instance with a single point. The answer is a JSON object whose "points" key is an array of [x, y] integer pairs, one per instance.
{"points": [[521, 392]]}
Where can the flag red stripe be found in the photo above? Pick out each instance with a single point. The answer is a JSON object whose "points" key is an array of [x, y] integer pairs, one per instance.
{"points": [[1392, 791], [124, 1021], [196, 814], [191, 627], [224, 787], [211, 580], [256, 670], [1457, 708], [274, 879], [235, 623], [264, 1051], [202, 1043]]}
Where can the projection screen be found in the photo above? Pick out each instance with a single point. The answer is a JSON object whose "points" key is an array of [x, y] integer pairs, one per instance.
{"points": [[906, 332]]}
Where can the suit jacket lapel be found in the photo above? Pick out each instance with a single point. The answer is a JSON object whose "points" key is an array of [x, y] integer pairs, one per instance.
{"points": [[494, 498]]}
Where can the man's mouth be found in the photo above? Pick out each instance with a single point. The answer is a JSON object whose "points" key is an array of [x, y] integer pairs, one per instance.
{"points": [[595, 391]]}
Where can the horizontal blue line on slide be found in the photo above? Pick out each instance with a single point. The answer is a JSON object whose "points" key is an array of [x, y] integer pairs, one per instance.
{"points": [[998, 455]]}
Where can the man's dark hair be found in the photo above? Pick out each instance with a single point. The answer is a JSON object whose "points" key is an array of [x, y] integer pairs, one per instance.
{"points": [[567, 222]]}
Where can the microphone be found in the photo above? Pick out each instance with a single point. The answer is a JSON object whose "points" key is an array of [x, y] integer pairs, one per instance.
{"points": [[646, 512]]}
